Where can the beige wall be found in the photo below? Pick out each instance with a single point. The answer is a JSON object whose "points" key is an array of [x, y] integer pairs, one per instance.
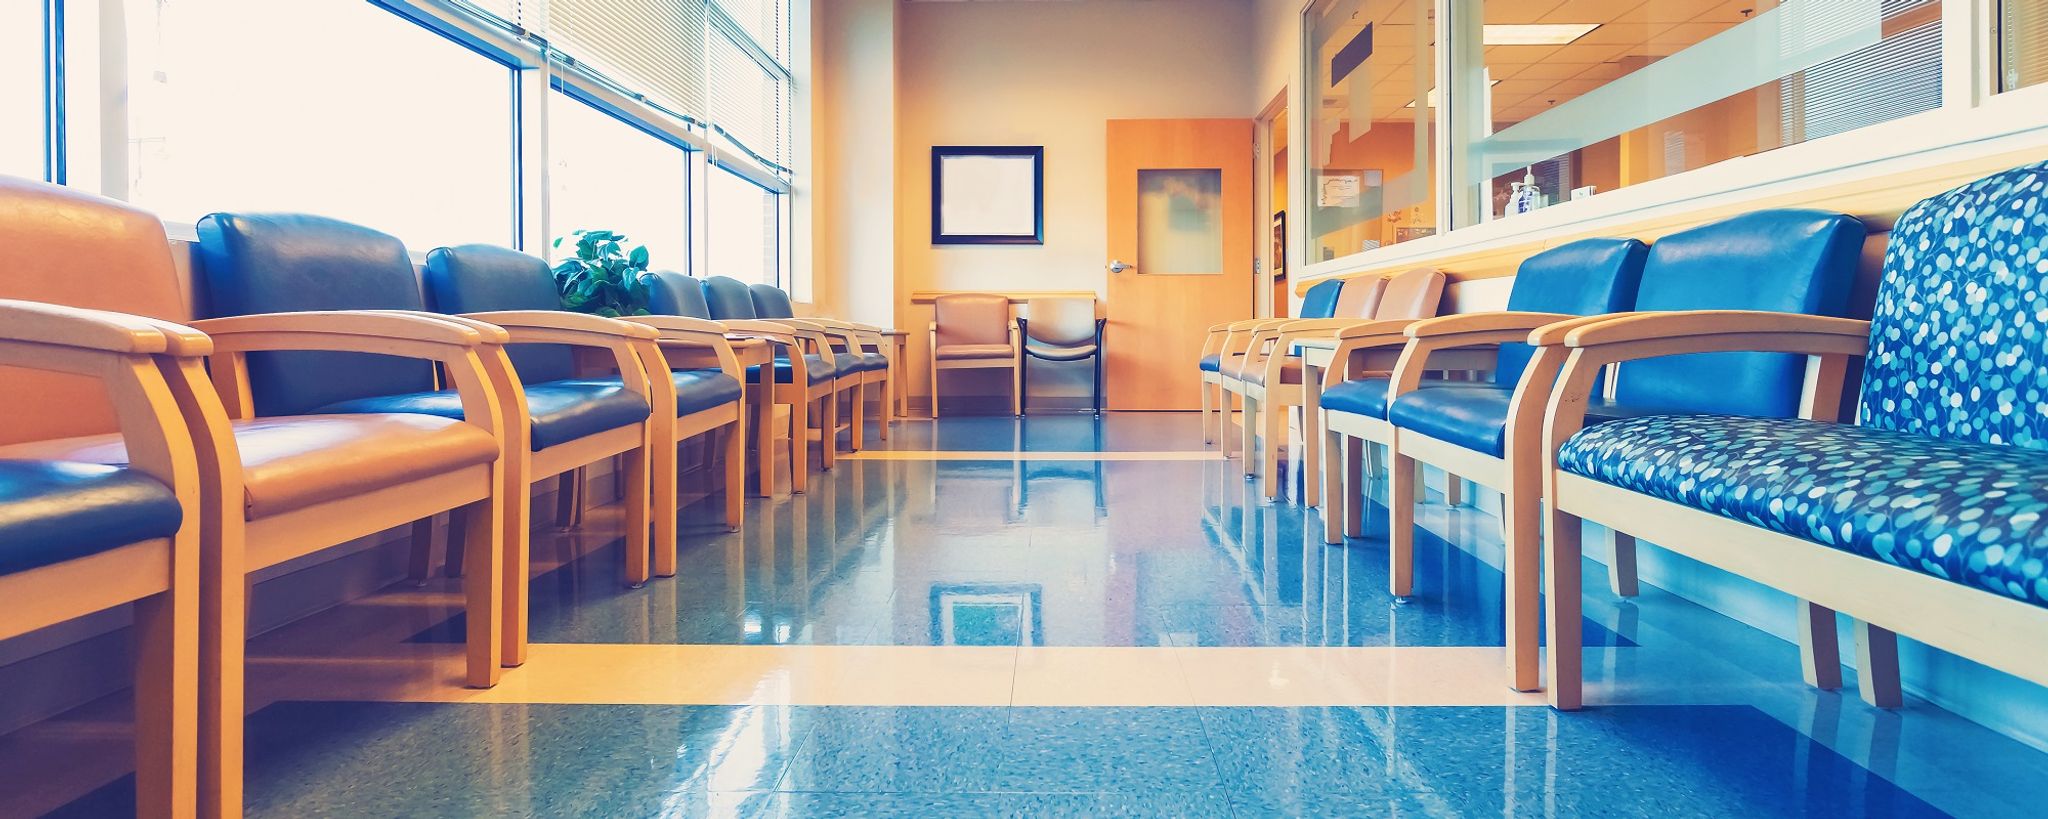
{"points": [[1046, 74], [853, 119]]}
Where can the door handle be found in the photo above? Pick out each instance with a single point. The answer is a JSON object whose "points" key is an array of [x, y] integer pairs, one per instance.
{"points": [[1117, 266]]}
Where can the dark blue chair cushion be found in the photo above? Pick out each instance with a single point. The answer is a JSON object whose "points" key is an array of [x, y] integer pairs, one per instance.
{"points": [[1963, 511], [1789, 261], [770, 302], [1321, 299], [673, 294], [1583, 278], [1368, 396], [485, 278], [1212, 363], [700, 390], [1475, 416], [871, 362], [53, 511], [729, 298], [271, 263], [562, 411], [814, 366], [1959, 338]]}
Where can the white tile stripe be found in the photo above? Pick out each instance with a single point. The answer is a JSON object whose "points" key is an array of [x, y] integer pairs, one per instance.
{"points": [[1009, 455]]}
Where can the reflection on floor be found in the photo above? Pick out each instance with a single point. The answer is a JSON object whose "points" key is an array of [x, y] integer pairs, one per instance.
{"points": [[1059, 635]]}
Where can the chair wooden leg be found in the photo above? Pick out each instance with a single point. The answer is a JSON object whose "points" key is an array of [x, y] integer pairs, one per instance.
{"points": [[663, 506], [1208, 410], [1311, 456], [637, 479], [935, 389], [764, 441], [828, 435], [167, 697], [1269, 458], [1336, 487], [736, 473], [1017, 390], [859, 419], [421, 561], [1522, 525], [483, 590], [1562, 609], [512, 532], [458, 534], [799, 446], [1820, 651], [1356, 452], [1621, 570], [1251, 435], [568, 498], [1404, 481], [887, 403], [1454, 490], [1877, 666]]}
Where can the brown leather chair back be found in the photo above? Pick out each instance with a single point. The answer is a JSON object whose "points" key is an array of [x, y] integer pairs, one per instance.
{"points": [[63, 246], [1360, 298], [1415, 294], [972, 318]]}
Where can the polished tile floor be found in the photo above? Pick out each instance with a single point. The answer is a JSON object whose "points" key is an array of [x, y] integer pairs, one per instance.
{"points": [[1112, 623]]}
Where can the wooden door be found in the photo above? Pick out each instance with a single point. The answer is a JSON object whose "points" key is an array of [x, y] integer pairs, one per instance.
{"points": [[1180, 252]]}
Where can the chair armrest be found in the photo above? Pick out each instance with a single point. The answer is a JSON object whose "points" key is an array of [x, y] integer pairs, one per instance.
{"points": [[285, 331], [1361, 337], [748, 328], [1490, 322], [1714, 330], [1552, 334], [56, 324], [563, 321]]}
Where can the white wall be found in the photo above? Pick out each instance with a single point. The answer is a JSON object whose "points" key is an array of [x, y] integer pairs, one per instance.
{"points": [[854, 159]]}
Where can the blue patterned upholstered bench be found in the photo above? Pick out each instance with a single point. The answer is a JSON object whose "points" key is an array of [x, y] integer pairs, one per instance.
{"points": [[1925, 517]]}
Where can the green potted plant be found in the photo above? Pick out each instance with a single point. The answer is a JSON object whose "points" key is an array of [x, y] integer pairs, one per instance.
{"points": [[603, 277]]}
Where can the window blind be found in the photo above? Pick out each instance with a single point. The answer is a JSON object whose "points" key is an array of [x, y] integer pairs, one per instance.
{"points": [[2023, 43], [1892, 78], [654, 47], [749, 102]]}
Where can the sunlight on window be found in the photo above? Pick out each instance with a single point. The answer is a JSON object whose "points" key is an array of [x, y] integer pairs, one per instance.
{"points": [[335, 107], [21, 89], [609, 175], [742, 227]]}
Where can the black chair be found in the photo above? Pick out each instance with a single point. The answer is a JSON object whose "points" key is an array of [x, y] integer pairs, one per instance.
{"points": [[1062, 329]]}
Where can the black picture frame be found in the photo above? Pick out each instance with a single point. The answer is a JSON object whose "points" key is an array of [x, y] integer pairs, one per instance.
{"points": [[940, 153]]}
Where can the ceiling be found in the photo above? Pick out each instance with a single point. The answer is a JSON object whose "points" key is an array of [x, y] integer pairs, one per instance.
{"points": [[1528, 78]]}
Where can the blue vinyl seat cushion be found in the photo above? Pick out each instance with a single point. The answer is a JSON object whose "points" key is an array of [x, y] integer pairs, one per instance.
{"points": [[1212, 363], [1475, 416], [561, 411], [53, 511], [1964, 511], [814, 366], [700, 390], [868, 362], [1368, 396]]}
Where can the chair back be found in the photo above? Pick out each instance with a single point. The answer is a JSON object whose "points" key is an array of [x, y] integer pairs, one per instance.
{"points": [[673, 294], [279, 262], [1321, 299], [1788, 261], [1583, 278], [729, 298], [770, 302], [484, 278], [1061, 322], [972, 318], [1360, 298], [1959, 340], [64, 246], [1412, 294]]}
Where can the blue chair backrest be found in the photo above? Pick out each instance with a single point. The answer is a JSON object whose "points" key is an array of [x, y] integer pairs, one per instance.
{"points": [[771, 303], [729, 298], [1321, 299], [1787, 261], [673, 294], [1583, 278], [271, 263], [1959, 339], [484, 278]]}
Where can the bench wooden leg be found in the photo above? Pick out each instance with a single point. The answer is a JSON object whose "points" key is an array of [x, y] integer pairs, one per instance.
{"points": [[1820, 654], [1877, 665], [1562, 607], [1621, 570]]}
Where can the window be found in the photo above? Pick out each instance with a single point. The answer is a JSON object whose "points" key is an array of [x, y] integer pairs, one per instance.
{"points": [[21, 89], [606, 174], [335, 107], [2022, 43], [743, 229], [1564, 101], [1371, 114]]}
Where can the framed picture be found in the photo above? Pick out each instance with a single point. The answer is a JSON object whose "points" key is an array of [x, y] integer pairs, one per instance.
{"points": [[988, 195]]}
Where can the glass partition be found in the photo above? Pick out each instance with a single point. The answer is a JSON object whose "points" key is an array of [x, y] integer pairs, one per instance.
{"points": [[1371, 114], [2022, 43], [1564, 100]]}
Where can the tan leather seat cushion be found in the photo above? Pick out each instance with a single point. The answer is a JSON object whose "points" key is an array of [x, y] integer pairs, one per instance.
{"points": [[949, 352], [1290, 372], [294, 461]]}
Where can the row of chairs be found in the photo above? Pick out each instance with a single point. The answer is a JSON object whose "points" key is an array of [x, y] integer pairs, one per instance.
{"points": [[163, 442], [1691, 392]]}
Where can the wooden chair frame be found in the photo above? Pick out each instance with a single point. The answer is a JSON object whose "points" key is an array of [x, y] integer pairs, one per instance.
{"points": [[1269, 353], [690, 343], [1882, 599], [803, 398], [143, 364], [863, 338], [847, 387], [233, 548], [1227, 342], [1015, 363]]}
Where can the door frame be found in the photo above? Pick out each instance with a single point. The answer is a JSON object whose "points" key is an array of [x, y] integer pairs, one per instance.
{"points": [[1262, 200]]}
